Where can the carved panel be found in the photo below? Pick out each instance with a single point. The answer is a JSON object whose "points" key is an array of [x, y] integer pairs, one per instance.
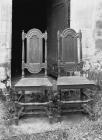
{"points": [[69, 46], [68, 51], [34, 46], [34, 59], [34, 54], [33, 67]]}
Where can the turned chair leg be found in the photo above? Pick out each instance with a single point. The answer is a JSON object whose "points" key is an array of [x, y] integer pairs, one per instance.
{"points": [[16, 114], [50, 108], [59, 112], [92, 115], [59, 107], [16, 120], [15, 108], [50, 117]]}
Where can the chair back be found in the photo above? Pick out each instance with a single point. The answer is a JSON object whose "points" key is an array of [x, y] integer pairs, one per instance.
{"points": [[34, 51], [69, 51]]}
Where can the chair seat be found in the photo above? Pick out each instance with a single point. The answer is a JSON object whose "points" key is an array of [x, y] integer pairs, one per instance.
{"points": [[74, 81], [33, 82]]}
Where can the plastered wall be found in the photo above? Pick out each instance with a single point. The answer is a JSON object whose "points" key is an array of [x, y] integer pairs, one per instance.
{"points": [[5, 36], [83, 16]]}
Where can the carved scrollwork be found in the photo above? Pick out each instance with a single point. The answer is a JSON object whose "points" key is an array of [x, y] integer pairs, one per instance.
{"points": [[58, 34], [34, 51], [33, 67], [70, 32], [45, 35], [33, 32], [23, 35], [73, 67]]}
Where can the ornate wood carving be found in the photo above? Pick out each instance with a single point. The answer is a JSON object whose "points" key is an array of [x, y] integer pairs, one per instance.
{"points": [[33, 68], [69, 45], [34, 59], [68, 50]]}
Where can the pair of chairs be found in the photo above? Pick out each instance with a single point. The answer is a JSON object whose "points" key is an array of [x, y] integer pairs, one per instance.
{"points": [[34, 94]]}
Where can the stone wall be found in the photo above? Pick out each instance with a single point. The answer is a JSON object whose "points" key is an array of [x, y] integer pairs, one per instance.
{"points": [[5, 36], [98, 27], [83, 17]]}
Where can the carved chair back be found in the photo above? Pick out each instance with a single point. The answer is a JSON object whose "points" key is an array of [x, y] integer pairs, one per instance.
{"points": [[33, 49], [69, 51]]}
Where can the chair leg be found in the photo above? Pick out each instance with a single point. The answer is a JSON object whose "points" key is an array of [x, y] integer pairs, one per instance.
{"points": [[16, 120], [88, 107], [59, 107], [59, 112], [16, 114], [17, 111], [81, 94], [93, 115], [89, 111], [50, 108], [50, 116]]}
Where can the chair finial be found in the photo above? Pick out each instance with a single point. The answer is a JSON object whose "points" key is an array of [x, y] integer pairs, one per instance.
{"points": [[23, 35]]}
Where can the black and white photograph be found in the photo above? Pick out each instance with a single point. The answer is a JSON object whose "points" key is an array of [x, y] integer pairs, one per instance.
{"points": [[50, 69]]}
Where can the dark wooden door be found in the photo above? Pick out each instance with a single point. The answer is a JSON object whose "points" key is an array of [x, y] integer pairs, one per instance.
{"points": [[58, 19]]}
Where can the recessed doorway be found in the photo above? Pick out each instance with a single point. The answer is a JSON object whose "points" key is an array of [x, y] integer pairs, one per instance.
{"points": [[45, 15]]}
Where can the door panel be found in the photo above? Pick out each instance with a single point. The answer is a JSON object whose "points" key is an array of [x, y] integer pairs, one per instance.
{"points": [[58, 20]]}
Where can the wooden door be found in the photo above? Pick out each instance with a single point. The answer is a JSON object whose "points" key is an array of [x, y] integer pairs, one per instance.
{"points": [[58, 20]]}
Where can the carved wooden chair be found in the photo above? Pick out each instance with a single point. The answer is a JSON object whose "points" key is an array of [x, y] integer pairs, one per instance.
{"points": [[71, 84], [33, 92]]}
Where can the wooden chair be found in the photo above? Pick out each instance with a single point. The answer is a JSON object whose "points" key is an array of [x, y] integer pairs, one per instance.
{"points": [[33, 93], [71, 87]]}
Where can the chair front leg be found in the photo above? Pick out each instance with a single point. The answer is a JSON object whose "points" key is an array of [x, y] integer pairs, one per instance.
{"points": [[59, 106], [16, 113], [50, 106]]}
